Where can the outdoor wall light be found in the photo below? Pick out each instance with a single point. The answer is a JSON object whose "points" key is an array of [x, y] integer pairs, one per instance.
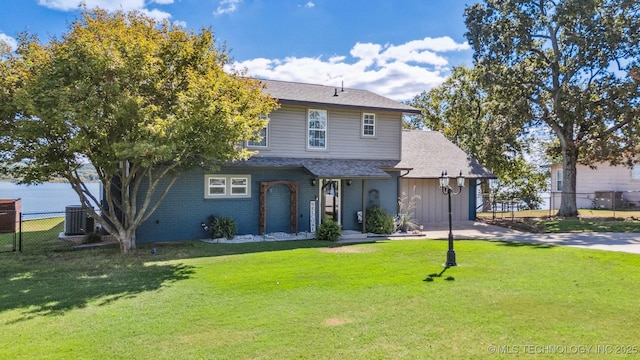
{"points": [[313, 182], [447, 190], [348, 182]]}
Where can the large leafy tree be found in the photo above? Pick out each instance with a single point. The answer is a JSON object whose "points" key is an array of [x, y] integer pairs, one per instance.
{"points": [[462, 111], [141, 100], [571, 64]]}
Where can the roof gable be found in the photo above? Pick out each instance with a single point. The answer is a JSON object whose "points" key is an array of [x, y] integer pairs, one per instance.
{"points": [[320, 95]]}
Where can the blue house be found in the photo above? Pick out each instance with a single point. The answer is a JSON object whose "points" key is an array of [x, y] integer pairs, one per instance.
{"points": [[326, 153]]}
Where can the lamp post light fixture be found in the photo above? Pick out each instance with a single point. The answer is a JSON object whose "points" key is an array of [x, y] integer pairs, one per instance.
{"points": [[448, 190]]}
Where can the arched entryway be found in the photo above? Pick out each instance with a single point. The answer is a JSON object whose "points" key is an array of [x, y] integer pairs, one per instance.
{"points": [[293, 204]]}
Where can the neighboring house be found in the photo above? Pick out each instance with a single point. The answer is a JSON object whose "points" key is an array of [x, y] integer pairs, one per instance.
{"points": [[326, 153], [603, 187]]}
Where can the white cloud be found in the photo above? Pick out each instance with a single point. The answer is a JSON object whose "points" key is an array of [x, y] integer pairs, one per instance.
{"points": [[13, 44], [398, 72], [309, 4], [443, 43], [181, 24], [109, 5], [336, 59], [227, 7], [155, 14]]}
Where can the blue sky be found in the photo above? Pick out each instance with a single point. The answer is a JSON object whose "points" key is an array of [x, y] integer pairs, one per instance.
{"points": [[396, 48]]}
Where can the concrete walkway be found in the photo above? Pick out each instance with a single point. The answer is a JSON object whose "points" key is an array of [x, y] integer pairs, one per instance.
{"points": [[622, 242]]}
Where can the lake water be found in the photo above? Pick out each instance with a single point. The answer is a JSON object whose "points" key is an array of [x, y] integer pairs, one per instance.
{"points": [[46, 197]]}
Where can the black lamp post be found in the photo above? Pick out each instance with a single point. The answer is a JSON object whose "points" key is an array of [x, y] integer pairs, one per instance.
{"points": [[448, 190]]}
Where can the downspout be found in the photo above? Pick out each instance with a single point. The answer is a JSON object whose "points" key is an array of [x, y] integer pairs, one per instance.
{"points": [[408, 171], [364, 208], [398, 191]]}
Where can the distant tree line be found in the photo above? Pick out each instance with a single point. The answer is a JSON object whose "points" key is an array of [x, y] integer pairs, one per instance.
{"points": [[87, 173]]}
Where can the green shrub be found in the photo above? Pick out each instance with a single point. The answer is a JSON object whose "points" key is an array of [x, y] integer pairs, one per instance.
{"points": [[379, 221], [92, 238], [223, 227], [329, 230]]}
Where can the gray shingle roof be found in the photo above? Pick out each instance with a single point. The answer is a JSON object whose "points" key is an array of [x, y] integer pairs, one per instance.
{"points": [[429, 153], [327, 168], [307, 94]]}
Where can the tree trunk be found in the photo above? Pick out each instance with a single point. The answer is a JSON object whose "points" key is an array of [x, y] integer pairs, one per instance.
{"points": [[568, 207], [127, 240]]}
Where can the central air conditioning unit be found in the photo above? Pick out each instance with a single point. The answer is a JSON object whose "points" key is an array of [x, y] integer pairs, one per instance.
{"points": [[76, 221]]}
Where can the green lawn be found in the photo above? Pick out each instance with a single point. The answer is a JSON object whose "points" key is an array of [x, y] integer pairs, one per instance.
{"points": [[307, 300], [589, 225]]}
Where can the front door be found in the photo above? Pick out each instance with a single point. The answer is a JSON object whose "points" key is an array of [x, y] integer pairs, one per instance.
{"points": [[330, 200]]}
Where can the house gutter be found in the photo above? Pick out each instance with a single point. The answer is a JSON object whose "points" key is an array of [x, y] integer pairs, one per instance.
{"points": [[349, 106]]}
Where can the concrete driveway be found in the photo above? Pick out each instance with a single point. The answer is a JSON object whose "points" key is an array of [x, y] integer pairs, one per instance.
{"points": [[622, 242]]}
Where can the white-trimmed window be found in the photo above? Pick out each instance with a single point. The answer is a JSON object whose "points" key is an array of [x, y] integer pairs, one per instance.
{"points": [[559, 180], [239, 186], [264, 136], [635, 172], [264, 142], [368, 125], [216, 186], [317, 129], [227, 186]]}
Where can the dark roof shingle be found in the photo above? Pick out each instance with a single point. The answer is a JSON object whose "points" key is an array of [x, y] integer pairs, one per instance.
{"points": [[326, 168], [429, 153], [300, 93]]}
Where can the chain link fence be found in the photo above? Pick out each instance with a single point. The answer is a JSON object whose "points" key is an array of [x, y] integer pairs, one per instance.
{"points": [[609, 204], [47, 232], [9, 233]]}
